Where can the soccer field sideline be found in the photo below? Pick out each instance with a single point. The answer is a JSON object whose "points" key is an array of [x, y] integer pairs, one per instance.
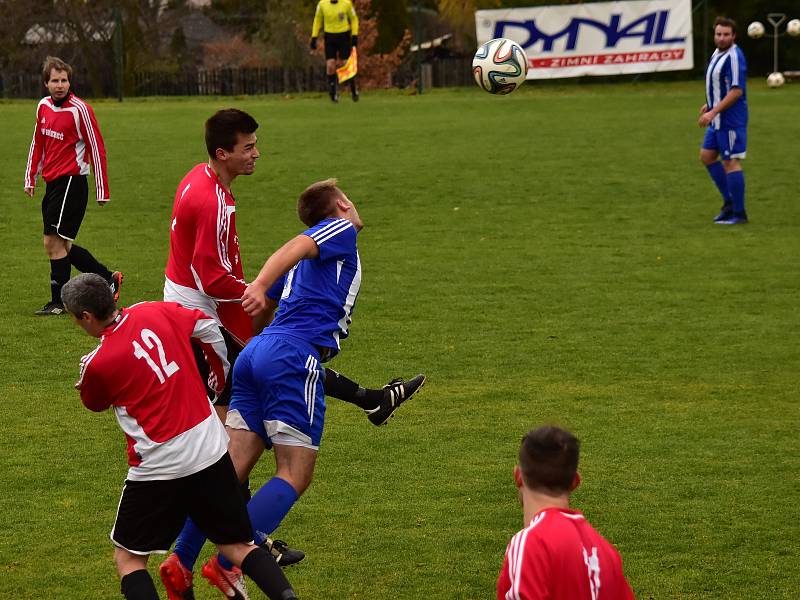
{"points": [[543, 257]]}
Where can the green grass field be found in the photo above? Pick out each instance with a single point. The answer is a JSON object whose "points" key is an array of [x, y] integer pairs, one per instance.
{"points": [[543, 257]]}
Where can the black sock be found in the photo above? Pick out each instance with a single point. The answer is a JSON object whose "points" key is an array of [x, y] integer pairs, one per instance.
{"points": [[245, 491], [138, 586], [339, 386], [59, 275], [332, 85], [353, 87], [261, 567], [83, 260]]}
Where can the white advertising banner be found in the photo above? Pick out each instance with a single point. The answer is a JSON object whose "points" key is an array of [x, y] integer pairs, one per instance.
{"points": [[601, 38]]}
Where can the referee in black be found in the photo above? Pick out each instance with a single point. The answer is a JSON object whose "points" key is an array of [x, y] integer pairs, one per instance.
{"points": [[337, 18]]}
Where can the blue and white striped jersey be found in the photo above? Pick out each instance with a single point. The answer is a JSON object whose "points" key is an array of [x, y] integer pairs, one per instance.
{"points": [[319, 294], [727, 69]]}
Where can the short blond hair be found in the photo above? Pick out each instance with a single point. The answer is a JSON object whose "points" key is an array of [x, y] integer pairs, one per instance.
{"points": [[53, 62]]}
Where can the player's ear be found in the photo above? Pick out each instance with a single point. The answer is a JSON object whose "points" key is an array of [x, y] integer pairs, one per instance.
{"points": [[220, 154], [575, 482], [518, 477], [343, 203]]}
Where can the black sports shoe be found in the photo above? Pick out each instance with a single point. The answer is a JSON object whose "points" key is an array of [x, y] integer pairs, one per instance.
{"points": [[354, 94], [395, 393], [49, 309], [115, 284], [735, 218], [725, 213], [284, 556]]}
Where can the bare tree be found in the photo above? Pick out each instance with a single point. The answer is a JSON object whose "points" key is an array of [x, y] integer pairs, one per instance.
{"points": [[19, 16]]}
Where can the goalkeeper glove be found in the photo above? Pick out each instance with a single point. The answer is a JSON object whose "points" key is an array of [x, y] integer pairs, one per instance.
{"points": [[354, 41], [313, 43]]}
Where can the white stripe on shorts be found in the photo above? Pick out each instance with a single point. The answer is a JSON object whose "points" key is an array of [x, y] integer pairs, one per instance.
{"points": [[311, 386]]}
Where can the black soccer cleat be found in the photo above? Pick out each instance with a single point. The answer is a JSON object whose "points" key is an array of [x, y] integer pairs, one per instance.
{"points": [[50, 309], [735, 218], [115, 284], [395, 393], [725, 213], [354, 94], [283, 554]]}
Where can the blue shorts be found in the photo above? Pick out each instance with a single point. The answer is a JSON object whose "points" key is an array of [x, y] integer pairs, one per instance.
{"points": [[278, 391], [730, 143]]}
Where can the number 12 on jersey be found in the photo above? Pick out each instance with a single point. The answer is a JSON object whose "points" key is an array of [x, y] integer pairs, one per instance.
{"points": [[152, 341]]}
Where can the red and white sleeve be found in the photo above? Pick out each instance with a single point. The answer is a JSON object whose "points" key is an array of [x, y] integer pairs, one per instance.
{"points": [[526, 570], [210, 259], [97, 149], [207, 334], [35, 154], [93, 390]]}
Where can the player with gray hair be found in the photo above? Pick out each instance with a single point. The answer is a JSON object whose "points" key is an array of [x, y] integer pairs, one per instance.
{"points": [[144, 370]]}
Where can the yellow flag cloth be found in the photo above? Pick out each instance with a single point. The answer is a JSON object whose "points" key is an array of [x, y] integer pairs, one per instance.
{"points": [[350, 68]]}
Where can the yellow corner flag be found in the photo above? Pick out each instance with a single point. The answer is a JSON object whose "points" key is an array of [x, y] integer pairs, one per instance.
{"points": [[350, 68]]}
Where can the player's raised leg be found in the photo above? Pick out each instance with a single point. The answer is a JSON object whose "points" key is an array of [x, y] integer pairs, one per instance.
{"points": [[379, 404]]}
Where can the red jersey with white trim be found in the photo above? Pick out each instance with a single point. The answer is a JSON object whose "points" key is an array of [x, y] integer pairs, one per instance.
{"points": [[559, 556], [66, 139], [204, 248], [145, 369]]}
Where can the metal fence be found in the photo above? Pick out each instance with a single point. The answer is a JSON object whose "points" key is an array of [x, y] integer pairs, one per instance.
{"points": [[229, 82], [449, 72]]}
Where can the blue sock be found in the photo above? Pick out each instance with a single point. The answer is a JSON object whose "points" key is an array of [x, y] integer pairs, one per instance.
{"points": [[267, 509], [190, 543], [717, 172], [736, 186]]}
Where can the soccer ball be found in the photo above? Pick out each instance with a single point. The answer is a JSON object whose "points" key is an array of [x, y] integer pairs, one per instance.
{"points": [[500, 66], [755, 30], [793, 27], [775, 80]]}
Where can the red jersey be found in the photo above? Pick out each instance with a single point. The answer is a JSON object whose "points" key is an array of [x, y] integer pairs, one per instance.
{"points": [[559, 556], [145, 369], [60, 140], [204, 263]]}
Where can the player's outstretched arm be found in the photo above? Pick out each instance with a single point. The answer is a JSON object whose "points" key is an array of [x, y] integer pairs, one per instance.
{"points": [[254, 300]]}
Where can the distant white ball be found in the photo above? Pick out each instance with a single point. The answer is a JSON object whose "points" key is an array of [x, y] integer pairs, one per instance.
{"points": [[775, 80], [793, 27], [500, 66], [755, 30]]}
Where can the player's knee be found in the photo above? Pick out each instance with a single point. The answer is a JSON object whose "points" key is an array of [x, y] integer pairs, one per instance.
{"points": [[127, 562], [236, 552], [298, 478], [55, 247]]}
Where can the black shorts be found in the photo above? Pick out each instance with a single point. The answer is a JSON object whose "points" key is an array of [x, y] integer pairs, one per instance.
{"points": [[152, 513], [337, 44], [233, 352], [64, 205]]}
